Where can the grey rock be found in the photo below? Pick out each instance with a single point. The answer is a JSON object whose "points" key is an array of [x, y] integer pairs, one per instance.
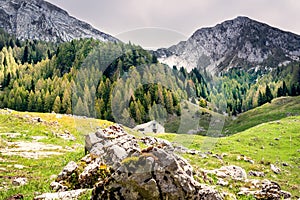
{"points": [[156, 175], [68, 170], [232, 172], [19, 181], [233, 43], [112, 144], [57, 187], [41, 20], [67, 195], [90, 140], [264, 189], [222, 182], [275, 169], [87, 177], [256, 173]]}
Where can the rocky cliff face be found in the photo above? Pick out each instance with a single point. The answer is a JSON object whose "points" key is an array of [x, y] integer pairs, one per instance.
{"points": [[40, 20], [234, 43]]}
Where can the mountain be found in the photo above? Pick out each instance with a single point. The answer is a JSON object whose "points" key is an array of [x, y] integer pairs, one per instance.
{"points": [[234, 43], [40, 20]]}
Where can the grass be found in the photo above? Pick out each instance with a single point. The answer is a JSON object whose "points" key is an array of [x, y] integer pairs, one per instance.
{"points": [[274, 142], [39, 171], [266, 135], [194, 116], [279, 108]]}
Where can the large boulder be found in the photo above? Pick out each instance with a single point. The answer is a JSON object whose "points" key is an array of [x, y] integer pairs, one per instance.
{"points": [[117, 168], [156, 174]]}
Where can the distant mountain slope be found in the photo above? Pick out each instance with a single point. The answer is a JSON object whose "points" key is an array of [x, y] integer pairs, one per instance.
{"points": [[40, 20], [234, 43]]}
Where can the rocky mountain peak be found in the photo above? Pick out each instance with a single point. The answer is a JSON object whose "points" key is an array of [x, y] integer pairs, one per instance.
{"points": [[233, 43], [41, 20]]}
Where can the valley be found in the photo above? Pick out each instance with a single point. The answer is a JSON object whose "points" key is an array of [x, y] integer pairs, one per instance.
{"points": [[226, 101]]}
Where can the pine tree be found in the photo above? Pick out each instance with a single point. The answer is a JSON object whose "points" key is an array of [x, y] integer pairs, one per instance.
{"points": [[57, 105], [279, 92], [66, 104], [285, 90], [48, 102], [269, 95], [25, 55], [260, 100], [31, 101]]}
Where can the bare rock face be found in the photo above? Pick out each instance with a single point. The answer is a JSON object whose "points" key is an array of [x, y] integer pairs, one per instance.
{"points": [[40, 20], [232, 44]]}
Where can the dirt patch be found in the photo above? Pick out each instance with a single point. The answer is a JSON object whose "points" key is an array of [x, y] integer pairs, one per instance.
{"points": [[33, 150]]}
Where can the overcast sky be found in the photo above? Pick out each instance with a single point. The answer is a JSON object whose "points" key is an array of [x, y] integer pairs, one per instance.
{"points": [[161, 23]]}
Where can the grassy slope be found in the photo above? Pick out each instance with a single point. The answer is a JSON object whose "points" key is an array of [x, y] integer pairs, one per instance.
{"points": [[279, 108], [39, 171], [192, 117], [260, 145]]}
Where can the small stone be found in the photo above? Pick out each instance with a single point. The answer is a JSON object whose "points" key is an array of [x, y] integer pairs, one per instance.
{"points": [[16, 197], [222, 182], [19, 181], [256, 173], [285, 164], [73, 194], [18, 166], [275, 169], [58, 187], [68, 170]]}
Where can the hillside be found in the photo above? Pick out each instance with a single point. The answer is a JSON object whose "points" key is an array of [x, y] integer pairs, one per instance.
{"points": [[36, 146], [275, 142], [41, 20], [51, 134], [279, 108]]}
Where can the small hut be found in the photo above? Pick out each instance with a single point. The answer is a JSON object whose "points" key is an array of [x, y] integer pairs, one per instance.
{"points": [[150, 127]]}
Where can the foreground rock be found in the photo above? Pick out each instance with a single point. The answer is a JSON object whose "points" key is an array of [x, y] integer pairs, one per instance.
{"points": [[155, 174], [118, 169]]}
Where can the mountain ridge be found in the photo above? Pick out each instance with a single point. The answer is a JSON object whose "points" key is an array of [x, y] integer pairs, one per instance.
{"points": [[41, 20], [236, 42]]}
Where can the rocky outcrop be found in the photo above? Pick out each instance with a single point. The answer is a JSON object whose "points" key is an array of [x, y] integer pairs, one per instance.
{"points": [[40, 20], [264, 189], [232, 44], [116, 167], [155, 174]]}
